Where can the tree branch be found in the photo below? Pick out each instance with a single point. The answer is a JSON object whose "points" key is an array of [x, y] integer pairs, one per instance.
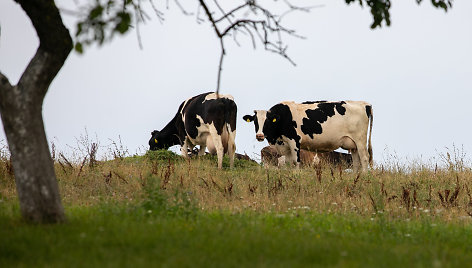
{"points": [[210, 18], [230, 13], [265, 25], [220, 66], [55, 46]]}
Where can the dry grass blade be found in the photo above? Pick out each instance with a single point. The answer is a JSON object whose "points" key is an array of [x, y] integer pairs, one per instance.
{"points": [[406, 198], [81, 166]]}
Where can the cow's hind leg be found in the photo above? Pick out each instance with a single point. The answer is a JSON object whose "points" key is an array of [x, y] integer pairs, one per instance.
{"points": [[363, 157], [231, 145], [218, 143], [355, 160]]}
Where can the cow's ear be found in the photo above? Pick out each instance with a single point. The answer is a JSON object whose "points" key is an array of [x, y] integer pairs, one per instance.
{"points": [[154, 132], [248, 118]]}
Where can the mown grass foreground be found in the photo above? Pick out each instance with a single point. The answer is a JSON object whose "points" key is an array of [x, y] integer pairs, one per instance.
{"points": [[163, 211]]}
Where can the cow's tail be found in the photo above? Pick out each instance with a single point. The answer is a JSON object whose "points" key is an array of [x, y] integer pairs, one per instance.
{"points": [[370, 113]]}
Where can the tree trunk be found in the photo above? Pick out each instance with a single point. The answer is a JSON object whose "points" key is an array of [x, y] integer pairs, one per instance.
{"points": [[36, 183], [21, 113]]}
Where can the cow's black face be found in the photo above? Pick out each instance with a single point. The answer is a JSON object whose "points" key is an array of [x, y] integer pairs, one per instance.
{"points": [[271, 128], [157, 142]]}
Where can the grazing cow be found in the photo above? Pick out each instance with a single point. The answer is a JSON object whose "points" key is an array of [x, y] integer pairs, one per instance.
{"points": [[206, 118], [319, 126], [270, 156]]}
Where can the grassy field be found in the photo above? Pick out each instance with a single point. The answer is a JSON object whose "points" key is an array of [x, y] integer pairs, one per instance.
{"points": [[160, 209]]}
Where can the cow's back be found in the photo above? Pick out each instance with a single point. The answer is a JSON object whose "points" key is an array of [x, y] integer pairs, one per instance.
{"points": [[324, 126]]}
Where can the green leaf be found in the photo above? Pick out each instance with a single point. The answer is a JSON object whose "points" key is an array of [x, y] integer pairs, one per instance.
{"points": [[124, 22], [96, 12], [79, 48], [79, 29]]}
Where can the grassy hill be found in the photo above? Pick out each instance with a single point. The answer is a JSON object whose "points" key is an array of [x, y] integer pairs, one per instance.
{"points": [[163, 210]]}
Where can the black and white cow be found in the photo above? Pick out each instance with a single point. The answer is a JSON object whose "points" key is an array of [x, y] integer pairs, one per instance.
{"points": [[319, 126], [201, 120]]}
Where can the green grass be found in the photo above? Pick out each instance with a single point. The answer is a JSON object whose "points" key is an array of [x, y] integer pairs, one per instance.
{"points": [[175, 233], [161, 210]]}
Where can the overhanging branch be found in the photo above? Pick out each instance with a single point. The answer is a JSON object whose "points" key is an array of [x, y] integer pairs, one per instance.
{"points": [[262, 25], [55, 46]]}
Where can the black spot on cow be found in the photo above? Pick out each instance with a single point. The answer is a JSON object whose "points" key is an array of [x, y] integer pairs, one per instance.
{"points": [[368, 110], [315, 117], [340, 108]]}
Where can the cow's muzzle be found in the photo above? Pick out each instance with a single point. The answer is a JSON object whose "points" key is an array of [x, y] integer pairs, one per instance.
{"points": [[260, 137]]}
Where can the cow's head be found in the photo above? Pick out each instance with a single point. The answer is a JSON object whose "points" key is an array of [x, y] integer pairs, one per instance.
{"points": [[271, 126], [258, 118], [157, 141]]}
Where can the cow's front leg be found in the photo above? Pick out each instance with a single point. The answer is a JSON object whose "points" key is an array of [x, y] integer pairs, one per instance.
{"points": [[292, 153], [184, 150]]}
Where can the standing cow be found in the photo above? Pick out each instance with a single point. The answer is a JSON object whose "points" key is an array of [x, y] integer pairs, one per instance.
{"points": [[317, 126], [206, 118]]}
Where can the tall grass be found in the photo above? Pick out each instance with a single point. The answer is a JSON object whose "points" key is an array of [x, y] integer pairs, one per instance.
{"points": [[440, 192]]}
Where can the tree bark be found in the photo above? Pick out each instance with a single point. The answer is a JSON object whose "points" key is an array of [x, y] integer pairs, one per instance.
{"points": [[21, 113]]}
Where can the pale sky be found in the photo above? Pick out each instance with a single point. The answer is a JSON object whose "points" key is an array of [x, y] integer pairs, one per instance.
{"points": [[417, 74]]}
